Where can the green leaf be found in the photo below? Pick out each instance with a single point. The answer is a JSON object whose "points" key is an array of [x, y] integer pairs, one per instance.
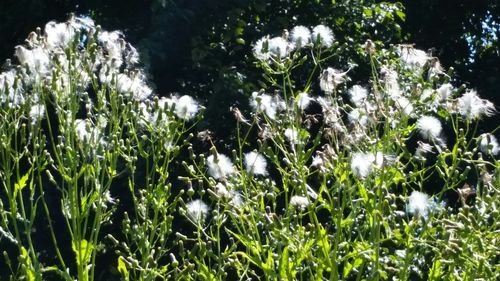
{"points": [[362, 192], [367, 12], [122, 268], [435, 273], [401, 15], [283, 267], [28, 267], [347, 269], [18, 187], [83, 251]]}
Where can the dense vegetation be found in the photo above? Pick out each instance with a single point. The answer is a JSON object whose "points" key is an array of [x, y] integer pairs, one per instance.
{"points": [[237, 140]]}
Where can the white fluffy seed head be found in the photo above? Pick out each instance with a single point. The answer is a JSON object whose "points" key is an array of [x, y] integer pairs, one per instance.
{"points": [[323, 36], [276, 47], [279, 47], [429, 127], [404, 105], [445, 91], [299, 202], [488, 144], [303, 101], [220, 166], [361, 164], [300, 36], [261, 49], [37, 112], [85, 132], [270, 105], [292, 135], [197, 210], [59, 34], [330, 78], [419, 204], [358, 94], [412, 57], [186, 107], [473, 107], [255, 163]]}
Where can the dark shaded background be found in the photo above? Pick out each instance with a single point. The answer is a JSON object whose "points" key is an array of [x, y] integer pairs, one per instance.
{"points": [[176, 37]]}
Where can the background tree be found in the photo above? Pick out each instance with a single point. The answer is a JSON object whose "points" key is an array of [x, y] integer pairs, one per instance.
{"points": [[464, 35]]}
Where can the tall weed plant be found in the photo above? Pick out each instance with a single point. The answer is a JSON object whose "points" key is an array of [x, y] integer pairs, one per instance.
{"points": [[389, 177]]}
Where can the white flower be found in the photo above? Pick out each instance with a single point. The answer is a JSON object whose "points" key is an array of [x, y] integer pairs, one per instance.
{"points": [[270, 105], [472, 107], [323, 35], [419, 204], [358, 95], [197, 210], [299, 202], [303, 100], [300, 36], [255, 163], [429, 127], [361, 164], [330, 78], [186, 107], [488, 144], [220, 166]]}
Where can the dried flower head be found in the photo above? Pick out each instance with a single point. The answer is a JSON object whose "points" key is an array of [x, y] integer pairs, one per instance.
{"points": [[330, 78], [473, 107]]}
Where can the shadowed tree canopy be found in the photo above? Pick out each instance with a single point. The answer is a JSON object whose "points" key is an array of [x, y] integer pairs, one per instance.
{"points": [[202, 47], [464, 34]]}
